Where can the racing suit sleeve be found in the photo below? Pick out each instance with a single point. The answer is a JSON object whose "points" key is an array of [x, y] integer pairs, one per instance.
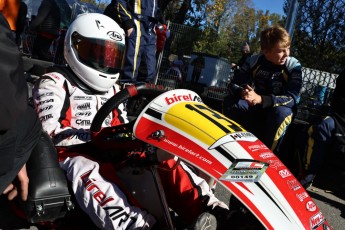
{"points": [[52, 103], [241, 78], [125, 14], [292, 88]]}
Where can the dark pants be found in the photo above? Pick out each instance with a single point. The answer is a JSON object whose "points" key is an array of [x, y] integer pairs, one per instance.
{"points": [[268, 124], [141, 42], [196, 75], [16, 146], [319, 144], [41, 48]]}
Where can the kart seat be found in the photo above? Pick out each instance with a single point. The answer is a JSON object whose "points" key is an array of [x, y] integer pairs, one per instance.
{"points": [[48, 196]]}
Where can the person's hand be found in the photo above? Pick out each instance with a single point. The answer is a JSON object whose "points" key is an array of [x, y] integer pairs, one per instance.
{"points": [[23, 186], [251, 96], [129, 31]]}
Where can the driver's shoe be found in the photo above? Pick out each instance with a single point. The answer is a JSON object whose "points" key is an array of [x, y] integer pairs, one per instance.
{"points": [[205, 221], [234, 219]]}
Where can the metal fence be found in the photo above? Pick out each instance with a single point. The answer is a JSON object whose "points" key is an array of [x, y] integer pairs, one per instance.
{"points": [[316, 92], [317, 86]]}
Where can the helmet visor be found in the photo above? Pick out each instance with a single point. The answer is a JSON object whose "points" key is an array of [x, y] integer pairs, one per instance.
{"points": [[106, 56]]}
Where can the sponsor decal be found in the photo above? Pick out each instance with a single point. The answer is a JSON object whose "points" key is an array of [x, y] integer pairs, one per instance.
{"points": [[107, 122], [82, 98], [115, 212], [84, 106], [45, 108], [176, 98], [46, 117], [275, 164], [83, 122], [232, 137], [245, 171], [45, 101], [243, 136], [316, 220], [266, 155], [284, 173], [302, 196], [45, 95], [189, 151], [249, 165], [114, 35], [69, 136], [255, 148], [311, 207], [293, 184], [83, 114]]}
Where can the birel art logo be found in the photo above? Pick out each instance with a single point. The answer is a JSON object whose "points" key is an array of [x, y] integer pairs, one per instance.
{"points": [[115, 35], [176, 98]]}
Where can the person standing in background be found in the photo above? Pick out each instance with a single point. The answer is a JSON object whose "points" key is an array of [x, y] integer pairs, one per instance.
{"points": [[199, 64], [47, 26], [139, 19], [21, 22], [245, 51]]}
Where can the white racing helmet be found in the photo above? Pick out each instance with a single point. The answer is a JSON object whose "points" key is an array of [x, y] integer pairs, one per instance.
{"points": [[95, 49]]}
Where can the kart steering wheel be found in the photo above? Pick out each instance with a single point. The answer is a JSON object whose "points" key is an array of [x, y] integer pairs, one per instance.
{"points": [[120, 137]]}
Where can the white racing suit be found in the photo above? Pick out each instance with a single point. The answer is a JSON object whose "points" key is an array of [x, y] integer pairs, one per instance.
{"points": [[66, 113]]}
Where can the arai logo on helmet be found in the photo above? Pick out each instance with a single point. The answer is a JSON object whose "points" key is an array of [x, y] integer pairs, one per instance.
{"points": [[115, 35]]}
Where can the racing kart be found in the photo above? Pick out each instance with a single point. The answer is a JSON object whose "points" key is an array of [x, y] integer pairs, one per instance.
{"points": [[177, 122]]}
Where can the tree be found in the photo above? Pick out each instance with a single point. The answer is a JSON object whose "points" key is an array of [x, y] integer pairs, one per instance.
{"points": [[229, 24], [321, 26]]}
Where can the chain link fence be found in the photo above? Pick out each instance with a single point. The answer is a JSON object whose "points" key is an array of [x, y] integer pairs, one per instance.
{"points": [[174, 70], [317, 86]]}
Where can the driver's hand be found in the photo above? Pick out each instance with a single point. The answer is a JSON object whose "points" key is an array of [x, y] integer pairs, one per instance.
{"points": [[12, 189], [129, 31]]}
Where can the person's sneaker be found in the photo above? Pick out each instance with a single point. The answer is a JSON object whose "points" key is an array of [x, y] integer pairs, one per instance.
{"points": [[307, 181], [205, 221], [234, 219]]}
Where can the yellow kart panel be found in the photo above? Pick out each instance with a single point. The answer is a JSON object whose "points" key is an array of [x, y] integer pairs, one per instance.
{"points": [[200, 121]]}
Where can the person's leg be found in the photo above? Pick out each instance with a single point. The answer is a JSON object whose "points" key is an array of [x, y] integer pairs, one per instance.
{"points": [[102, 200], [247, 116], [276, 122], [187, 194], [133, 53], [318, 144], [150, 50], [320, 137], [20, 141]]}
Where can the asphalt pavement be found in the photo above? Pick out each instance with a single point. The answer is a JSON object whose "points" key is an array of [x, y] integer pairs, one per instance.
{"points": [[330, 203]]}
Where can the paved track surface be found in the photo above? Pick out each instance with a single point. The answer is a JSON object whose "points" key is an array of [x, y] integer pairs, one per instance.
{"points": [[331, 205]]}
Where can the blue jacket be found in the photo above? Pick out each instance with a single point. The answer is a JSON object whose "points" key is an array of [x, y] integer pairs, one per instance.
{"points": [[143, 10], [279, 85]]}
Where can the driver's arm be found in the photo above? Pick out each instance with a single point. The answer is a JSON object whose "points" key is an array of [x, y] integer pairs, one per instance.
{"points": [[51, 97]]}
